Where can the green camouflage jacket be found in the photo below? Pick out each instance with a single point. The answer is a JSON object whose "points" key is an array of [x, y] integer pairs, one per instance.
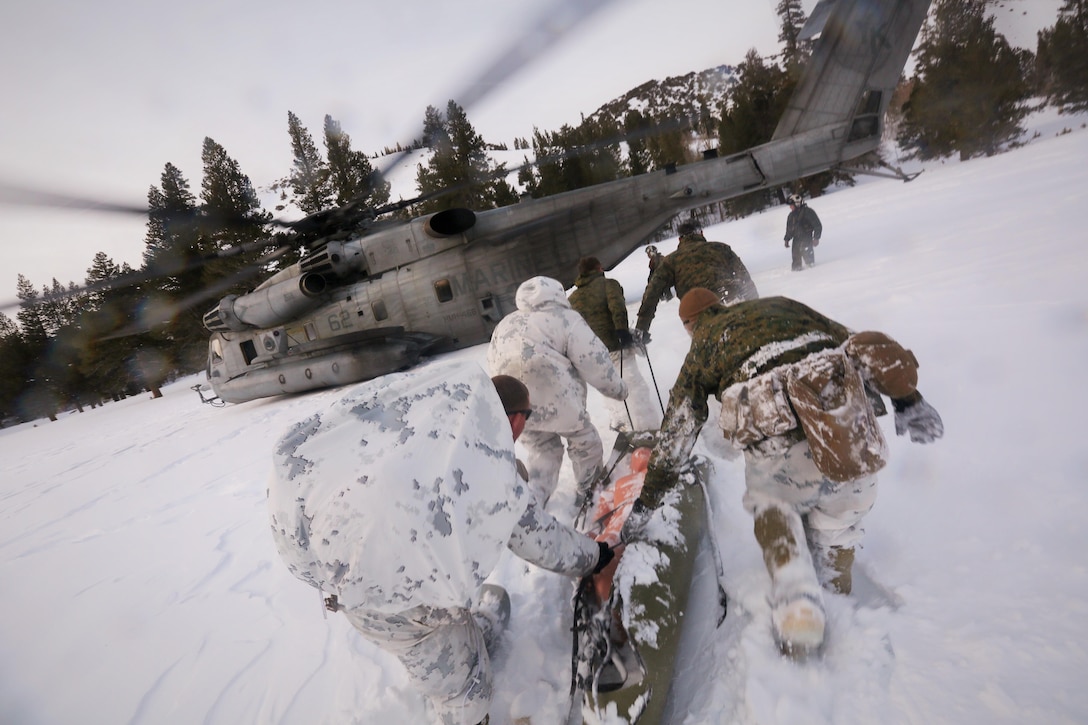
{"points": [[697, 263], [730, 345], [600, 300]]}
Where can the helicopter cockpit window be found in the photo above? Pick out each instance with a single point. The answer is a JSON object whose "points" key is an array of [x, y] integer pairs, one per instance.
{"points": [[443, 290], [380, 312], [249, 350], [217, 350]]}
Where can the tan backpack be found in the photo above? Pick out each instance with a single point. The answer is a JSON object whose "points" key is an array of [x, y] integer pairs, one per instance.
{"points": [[825, 395], [828, 396]]}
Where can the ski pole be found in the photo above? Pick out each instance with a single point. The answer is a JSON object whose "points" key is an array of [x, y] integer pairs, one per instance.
{"points": [[653, 377], [625, 406]]}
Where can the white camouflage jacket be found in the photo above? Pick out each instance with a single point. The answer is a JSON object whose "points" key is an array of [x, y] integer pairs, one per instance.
{"points": [[550, 347], [405, 492]]}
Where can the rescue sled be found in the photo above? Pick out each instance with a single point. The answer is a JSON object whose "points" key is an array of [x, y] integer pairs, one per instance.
{"points": [[628, 619]]}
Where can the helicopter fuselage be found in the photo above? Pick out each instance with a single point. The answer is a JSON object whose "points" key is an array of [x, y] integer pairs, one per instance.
{"points": [[376, 302]]}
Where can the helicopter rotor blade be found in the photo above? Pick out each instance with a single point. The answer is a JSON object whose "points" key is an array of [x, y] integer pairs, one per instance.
{"points": [[571, 153], [168, 311], [24, 196], [543, 32], [540, 34], [16, 195], [163, 270]]}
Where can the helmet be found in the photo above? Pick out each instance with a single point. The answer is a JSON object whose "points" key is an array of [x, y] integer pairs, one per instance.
{"points": [[695, 301], [795, 200], [651, 250]]}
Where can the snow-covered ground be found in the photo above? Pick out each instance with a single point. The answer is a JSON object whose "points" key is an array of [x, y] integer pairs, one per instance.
{"points": [[139, 583]]}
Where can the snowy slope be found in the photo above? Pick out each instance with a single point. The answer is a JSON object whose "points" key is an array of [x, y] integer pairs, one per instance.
{"points": [[139, 583]]}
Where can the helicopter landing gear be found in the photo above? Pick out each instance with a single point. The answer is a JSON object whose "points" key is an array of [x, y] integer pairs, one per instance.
{"points": [[213, 400]]}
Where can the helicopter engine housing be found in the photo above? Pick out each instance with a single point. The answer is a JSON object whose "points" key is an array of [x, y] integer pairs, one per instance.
{"points": [[267, 306], [388, 248]]}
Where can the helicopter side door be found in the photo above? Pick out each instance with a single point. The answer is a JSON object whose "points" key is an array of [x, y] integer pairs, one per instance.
{"points": [[444, 295]]}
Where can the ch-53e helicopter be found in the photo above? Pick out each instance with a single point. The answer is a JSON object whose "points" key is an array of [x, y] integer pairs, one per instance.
{"points": [[374, 301], [372, 295]]}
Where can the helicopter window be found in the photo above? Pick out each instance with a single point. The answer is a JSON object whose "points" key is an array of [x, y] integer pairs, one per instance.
{"points": [[249, 350], [217, 350], [311, 331], [443, 290], [863, 127], [380, 312], [869, 103]]}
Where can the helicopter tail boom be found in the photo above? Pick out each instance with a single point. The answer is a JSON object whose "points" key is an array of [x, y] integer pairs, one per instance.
{"points": [[855, 66]]}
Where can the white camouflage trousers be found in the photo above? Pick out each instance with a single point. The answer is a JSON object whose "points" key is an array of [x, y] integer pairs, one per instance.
{"points": [[544, 457], [815, 510], [645, 414], [444, 653]]}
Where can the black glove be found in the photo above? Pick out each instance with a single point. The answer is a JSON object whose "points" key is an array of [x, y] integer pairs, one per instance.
{"points": [[607, 555], [640, 337], [625, 338], [787, 244], [915, 416]]}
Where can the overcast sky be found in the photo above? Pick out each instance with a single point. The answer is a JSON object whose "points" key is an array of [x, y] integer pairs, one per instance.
{"points": [[99, 96]]}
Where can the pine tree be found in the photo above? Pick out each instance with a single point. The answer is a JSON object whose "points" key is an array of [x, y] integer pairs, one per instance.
{"points": [[434, 128], [1062, 58], [502, 193], [59, 306], [795, 52], [576, 157], [7, 326], [309, 178], [47, 365], [60, 366], [470, 159], [175, 247], [173, 229], [234, 221], [970, 87], [669, 145], [37, 398], [636, 127], [102, 270], [756, 103], [14, 363], [351, 175], [235, 216], [460, 173], [104, 358], [29, 315]]}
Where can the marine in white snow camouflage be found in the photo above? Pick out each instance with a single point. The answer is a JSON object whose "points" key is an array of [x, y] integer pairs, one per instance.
{"points": [[399, 498], [550, 347]]}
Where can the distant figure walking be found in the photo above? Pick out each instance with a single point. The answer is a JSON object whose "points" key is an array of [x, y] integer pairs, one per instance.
{"points": [[656, 258], [803, 228]]}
